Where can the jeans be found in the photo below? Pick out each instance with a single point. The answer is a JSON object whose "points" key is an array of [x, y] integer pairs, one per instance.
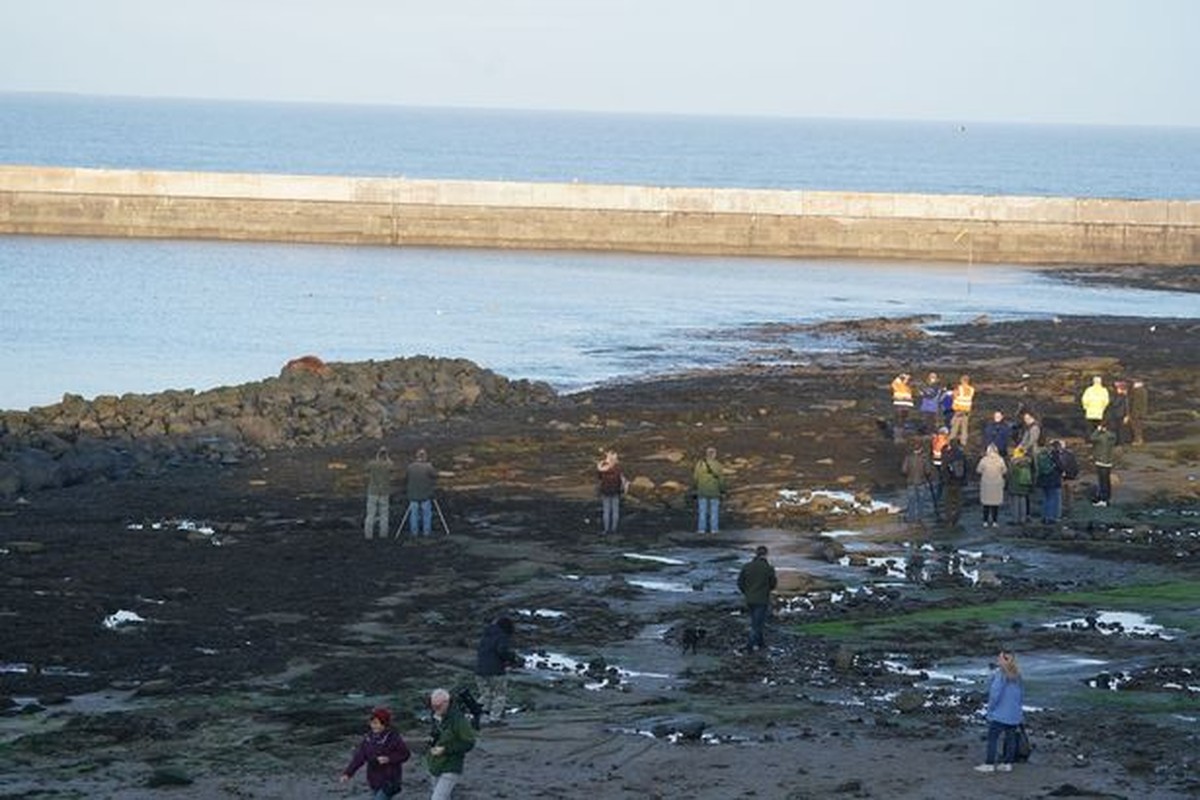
{"points": [[443, 785], [1008, 753], [377, 511], [1051, 503], [610, 509], [420, 517], [709, 508], [916, 501], [758, 620]]}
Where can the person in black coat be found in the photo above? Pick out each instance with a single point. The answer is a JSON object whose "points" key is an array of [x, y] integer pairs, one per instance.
{"points": [[494, 657]]}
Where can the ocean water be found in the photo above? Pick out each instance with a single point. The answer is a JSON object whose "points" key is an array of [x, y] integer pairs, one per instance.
{"points": [[90, 316]]}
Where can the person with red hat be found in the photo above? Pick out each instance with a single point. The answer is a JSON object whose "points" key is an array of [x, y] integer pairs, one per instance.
{"points": [[384, 752]]}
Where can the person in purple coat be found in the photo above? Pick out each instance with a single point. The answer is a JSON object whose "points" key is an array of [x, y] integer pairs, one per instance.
{"points": [[384, 752]]}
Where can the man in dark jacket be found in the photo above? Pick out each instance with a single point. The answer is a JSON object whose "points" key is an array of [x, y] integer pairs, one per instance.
{"points": [[954, 478], [1103, 443], [492, 659], [756, 581], [998, 431]]}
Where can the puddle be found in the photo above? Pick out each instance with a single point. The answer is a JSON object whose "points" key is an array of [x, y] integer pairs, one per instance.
{"points": [[597, 672], [834, 502], [1115, 623]]}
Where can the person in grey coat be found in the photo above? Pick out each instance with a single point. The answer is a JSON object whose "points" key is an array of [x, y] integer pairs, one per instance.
{"points": [[991, 470]]}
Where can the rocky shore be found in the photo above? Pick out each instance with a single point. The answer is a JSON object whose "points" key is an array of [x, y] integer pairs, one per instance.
{"points": [[260, 625]]}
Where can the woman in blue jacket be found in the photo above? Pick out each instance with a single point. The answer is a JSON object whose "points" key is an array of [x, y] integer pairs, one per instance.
{"points": [[1006, 696]]}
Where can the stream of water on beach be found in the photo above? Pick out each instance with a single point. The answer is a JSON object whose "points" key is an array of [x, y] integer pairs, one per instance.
{"points": [[93, 316]]}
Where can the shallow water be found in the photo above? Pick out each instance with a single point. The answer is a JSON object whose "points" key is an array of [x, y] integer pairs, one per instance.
{"points": [[90, 316]]}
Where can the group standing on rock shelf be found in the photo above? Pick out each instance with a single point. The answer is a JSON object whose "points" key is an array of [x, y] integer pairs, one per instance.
{"points": [[420, 479], [1015, 460]]}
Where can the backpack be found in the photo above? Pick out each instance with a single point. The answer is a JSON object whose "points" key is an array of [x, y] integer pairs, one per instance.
{"points": [[1046, 464], [1022, 474], [465, 699], [1069, 464]]}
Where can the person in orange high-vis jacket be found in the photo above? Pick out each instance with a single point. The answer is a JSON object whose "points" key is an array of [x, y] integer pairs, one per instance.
{"points": [[902, 403], [962, 398]]}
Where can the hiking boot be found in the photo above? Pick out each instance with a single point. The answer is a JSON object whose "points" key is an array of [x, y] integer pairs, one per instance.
{"points": [[985, 768]]}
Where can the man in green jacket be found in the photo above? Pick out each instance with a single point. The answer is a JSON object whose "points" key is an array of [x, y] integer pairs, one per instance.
{"points": [[756, 581], [709, 479], [450, 740], [1103, 443]]}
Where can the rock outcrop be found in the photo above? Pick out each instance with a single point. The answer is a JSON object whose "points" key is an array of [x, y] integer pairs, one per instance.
{"points": [[312, 403]]}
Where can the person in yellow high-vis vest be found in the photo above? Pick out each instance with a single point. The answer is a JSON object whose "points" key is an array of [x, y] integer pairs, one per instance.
{"points": [[962, 398], [902, 403]]}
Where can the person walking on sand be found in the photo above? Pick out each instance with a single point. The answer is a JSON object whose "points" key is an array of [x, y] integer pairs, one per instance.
{"points": [[493, 658], [756, 581], [708, 476], [379, 491], [450, 739], [384, 752], [991, 470], [421, 481], [1094, 401], [611, 485], [962, 398], [1006, 698]]}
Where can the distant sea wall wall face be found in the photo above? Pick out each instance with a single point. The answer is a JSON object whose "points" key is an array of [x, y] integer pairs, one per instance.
{"points": [[743, 222]]}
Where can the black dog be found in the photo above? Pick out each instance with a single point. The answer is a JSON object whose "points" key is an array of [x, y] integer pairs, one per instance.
{"points": [[692, 637]]}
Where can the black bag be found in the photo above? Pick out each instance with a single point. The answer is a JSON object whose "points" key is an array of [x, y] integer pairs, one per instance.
{"points": [[1069, 464], [1024, 746]]}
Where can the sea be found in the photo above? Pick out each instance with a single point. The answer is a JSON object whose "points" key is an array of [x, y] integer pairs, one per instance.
{"points": [[110, 316]]}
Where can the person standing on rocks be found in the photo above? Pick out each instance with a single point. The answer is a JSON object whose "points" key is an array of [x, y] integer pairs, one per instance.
{"points": [[998, 431], [1095, 401], [962, 398], [1020, 485], [1049, 478], [1103, 444], [954, 478], [1139, 407], [611, 485], [918, 478], [379, 491], [1119, 413], [931, 402], [1031, 434], [708, 476], [450, 739], [991, 469], [902, 404], [421, 482], [384, 752], [493, 657], [756, 581], [1006, 697]]}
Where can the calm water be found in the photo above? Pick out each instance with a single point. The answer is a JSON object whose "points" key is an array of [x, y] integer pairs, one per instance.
{"points": [[112, 316]]}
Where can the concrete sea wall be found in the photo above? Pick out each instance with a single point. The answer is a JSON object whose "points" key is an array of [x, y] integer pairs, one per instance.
{"points": [[447, 213]]}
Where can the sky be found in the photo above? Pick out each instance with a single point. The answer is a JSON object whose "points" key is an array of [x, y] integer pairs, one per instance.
{"points": [[1123, 62]]}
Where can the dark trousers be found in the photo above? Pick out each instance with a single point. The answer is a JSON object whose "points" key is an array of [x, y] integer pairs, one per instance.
{"points": [[1103, 483], [1008, 753], [758, 621]]}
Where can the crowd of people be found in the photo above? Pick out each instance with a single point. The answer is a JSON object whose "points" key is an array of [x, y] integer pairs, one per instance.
{"points": [[1018, 460]]}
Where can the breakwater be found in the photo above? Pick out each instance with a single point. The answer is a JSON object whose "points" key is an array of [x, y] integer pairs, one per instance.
{"points": [[449, 213]]}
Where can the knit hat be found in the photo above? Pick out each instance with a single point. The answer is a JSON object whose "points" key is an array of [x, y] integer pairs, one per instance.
{"points": [[383, 715]]}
